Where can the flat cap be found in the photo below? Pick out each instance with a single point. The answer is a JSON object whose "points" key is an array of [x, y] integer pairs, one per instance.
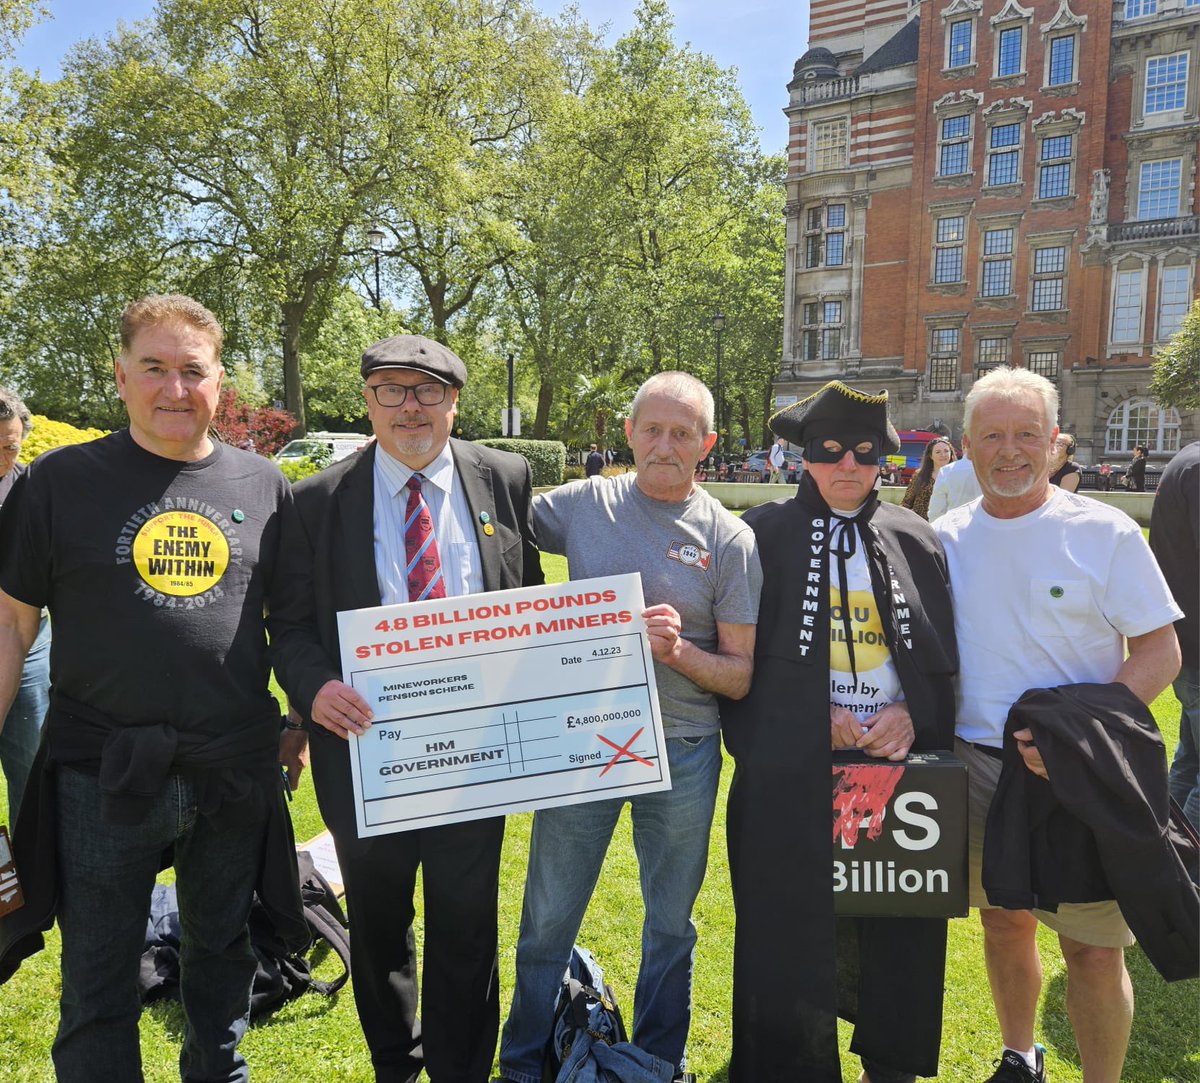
{"points": [[418, 353], [836, 407]]}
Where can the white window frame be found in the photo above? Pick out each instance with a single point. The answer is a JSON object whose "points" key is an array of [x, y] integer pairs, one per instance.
{"points": [[1068, 160], [971, 23], [1128, 306], [1146, 89], [1017, 149], [818, 230], [829, 145], [1140, 9], [1059, 275], [948, 244], [994, 236], [1142, 170], [997, 36], [1074, 73], [1179, 297], [1141, 421], [953, 141]]}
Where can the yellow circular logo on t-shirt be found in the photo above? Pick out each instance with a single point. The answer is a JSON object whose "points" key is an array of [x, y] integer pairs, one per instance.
{"points": [[180, 553], [870, 646]]}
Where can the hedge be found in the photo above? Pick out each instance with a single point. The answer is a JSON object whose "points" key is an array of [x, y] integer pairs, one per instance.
{"points": [[546, 458]]}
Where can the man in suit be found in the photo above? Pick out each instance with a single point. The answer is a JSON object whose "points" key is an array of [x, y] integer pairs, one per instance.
{"points": [[414, 515]]}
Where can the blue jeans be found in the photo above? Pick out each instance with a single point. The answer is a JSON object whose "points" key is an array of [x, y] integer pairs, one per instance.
{"points": [[670, 837], [1185, 770], [106, 873], [23, 726]]}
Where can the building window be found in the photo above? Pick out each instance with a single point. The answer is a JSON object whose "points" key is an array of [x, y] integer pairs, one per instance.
{"points": [[1166, 82], [829, 145], [1044, 363], [1009, 44], [954, 154], [992, 352], [1127, 307], [1004, 154], [948, 249], [1139, 9], [822, 331], [943, 359], [1061, 68], [1049, 271], [1142, 423], [1158, 188], [1174, 296], [1054, 166], [959, 52], [825, 237], [997, 262]]}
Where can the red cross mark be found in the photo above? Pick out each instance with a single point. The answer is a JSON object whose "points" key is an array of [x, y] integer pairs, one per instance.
{"points": [[623, 750]]}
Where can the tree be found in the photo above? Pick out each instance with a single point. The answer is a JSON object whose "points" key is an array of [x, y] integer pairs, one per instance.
{"points": [[1176, 378], [268, 134], [257, 428]]}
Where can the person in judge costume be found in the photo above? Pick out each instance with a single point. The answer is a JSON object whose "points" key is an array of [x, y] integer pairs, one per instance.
{"points": [[855, 650]]}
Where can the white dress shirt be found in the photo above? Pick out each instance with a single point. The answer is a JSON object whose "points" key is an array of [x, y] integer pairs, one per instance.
{"points": [[453, 529]]}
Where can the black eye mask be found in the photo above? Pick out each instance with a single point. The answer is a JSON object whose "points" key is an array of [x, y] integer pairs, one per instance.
{"points": [[816, 452]]}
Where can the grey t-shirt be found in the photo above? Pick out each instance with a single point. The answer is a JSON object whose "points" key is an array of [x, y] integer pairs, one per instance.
{"points": [[693, 555]]}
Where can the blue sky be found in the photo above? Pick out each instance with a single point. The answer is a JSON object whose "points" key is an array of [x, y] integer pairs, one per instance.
{"points": [[761, 38]]}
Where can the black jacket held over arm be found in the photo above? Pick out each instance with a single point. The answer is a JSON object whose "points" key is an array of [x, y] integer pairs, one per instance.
{"points": [[1101, 827]]}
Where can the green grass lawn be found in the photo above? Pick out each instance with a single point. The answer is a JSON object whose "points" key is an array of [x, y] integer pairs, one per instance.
{"points": [[317, 1039]]}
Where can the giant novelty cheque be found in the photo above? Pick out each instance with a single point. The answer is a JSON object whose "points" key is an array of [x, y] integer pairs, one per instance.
{"points": [[487, 704]]}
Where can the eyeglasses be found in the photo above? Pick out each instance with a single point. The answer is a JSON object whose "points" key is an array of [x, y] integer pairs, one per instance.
{"points": [[397, 394]]}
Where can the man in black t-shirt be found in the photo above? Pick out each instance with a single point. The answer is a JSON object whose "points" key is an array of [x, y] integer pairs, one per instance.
{"points": [[154, 549], [594, 464]]}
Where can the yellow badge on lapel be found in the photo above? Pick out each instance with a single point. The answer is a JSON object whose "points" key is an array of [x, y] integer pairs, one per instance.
{"points": [[488, 529]]}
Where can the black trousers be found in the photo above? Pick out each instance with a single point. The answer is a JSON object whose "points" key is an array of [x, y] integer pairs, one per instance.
{"points": [[455, 1038]]}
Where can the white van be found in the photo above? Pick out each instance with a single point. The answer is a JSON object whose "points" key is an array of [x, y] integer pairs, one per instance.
{"points": [[322, 447]]}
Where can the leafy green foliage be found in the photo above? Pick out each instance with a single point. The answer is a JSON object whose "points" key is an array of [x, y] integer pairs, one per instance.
{"points": [[1176, 378], [546, 458]]}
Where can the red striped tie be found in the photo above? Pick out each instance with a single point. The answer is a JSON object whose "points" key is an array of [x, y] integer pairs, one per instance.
{"points": [[424, 569]]}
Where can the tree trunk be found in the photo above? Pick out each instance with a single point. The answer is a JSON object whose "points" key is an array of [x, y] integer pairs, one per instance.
{"points": [[541, 423], [293, 389]]}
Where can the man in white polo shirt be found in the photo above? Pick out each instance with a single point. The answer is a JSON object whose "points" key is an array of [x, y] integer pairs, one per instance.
{"points": [[1050, 588]]}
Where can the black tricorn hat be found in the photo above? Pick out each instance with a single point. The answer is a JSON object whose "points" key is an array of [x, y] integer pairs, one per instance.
{"points": [[836, 407]]}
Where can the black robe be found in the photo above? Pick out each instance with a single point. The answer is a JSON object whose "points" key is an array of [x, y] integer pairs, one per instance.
{"points": [[796, 966]]}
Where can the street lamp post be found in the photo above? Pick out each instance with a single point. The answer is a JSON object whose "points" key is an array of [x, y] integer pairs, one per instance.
{"points": [[375, 239], [718, 325]]}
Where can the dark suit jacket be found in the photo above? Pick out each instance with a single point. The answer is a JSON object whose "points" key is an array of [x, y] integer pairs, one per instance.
{"points": [[327, 553]]}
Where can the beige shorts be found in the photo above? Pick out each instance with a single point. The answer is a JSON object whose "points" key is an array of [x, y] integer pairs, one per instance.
{"points": [[1099, 924]]}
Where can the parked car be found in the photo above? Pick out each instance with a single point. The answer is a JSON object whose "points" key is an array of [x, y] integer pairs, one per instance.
{"points": [[322, 447], [792, 465]]}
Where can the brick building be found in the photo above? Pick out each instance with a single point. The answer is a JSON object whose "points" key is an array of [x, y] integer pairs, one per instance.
{"points": [[983, 182]]}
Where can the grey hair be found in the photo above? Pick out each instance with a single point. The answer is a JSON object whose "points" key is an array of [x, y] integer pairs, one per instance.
{"points": [[11, 406], [678, 385], [1008, 383]]}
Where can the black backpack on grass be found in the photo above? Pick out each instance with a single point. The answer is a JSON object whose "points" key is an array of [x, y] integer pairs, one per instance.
{"points": [[281, 975]]}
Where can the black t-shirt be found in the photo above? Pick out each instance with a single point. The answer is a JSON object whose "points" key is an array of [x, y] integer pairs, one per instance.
{"points": [[9, 480], [156, 574]]}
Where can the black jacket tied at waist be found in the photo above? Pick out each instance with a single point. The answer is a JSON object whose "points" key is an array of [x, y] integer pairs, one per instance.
{"points": [[133, 763], [1100, 828]]}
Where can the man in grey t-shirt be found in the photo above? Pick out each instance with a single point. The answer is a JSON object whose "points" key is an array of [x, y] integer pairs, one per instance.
{"points": [[701, 580]]}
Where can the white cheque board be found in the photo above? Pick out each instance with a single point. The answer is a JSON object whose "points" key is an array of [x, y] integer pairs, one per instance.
{"points": [[494, 703]]}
